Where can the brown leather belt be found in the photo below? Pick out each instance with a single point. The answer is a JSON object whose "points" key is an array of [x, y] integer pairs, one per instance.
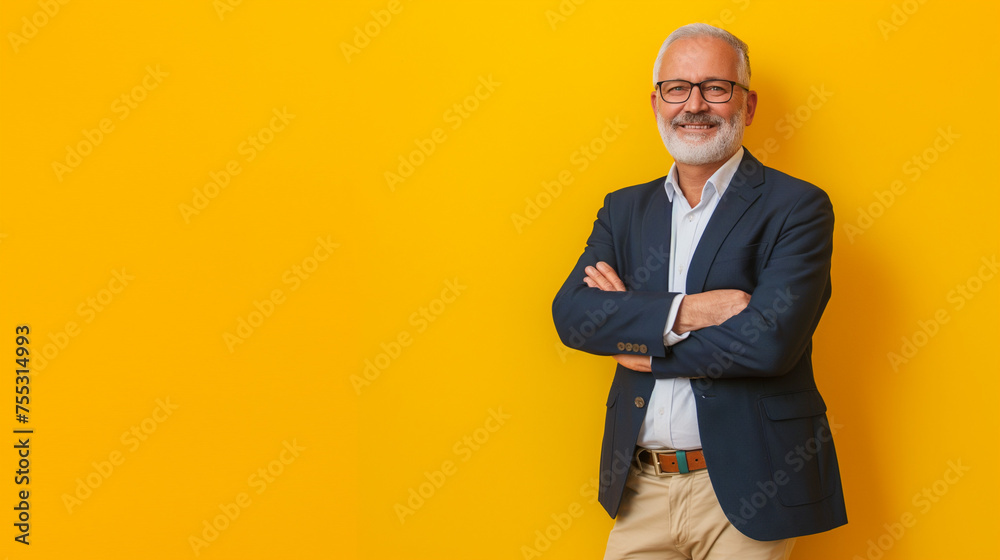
{"points": [[672, 462]]}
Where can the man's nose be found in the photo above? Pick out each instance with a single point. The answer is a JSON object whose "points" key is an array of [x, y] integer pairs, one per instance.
{"points": [[695, 102]]}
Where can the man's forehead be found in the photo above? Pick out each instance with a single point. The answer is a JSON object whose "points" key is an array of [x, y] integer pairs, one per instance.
{"points": [[709, 54]]}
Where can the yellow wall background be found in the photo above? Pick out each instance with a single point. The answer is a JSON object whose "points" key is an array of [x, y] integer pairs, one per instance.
{"points": [[208, 278]]}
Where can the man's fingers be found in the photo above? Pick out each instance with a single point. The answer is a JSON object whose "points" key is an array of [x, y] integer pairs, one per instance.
{"points": [[603, 277], [738, 301], [611, 275], [634, 362], [599, 279]]}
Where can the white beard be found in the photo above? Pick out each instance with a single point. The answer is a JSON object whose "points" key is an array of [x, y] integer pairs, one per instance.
{"points": [[723, 144]]}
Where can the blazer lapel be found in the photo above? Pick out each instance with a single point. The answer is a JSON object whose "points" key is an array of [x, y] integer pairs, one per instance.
{"points": [[740, 194], [656, 220]]}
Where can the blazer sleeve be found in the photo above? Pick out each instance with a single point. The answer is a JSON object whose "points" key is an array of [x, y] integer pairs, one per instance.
{"points": [[607, 323], [772, 333]]}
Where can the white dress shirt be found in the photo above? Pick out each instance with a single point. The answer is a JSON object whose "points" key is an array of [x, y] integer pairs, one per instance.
{"points": [[671, 417]]}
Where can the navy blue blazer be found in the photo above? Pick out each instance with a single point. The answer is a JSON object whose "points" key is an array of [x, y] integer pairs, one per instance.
{"points": [[766, 438]]}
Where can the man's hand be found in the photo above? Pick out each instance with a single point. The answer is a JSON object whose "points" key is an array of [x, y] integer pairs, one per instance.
{"points": [[634, 362], [708, 309], [606, 279], [697, 311], [603, 277]]}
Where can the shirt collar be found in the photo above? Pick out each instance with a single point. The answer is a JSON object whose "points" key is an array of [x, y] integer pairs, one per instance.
{"points": [[719, 181]]}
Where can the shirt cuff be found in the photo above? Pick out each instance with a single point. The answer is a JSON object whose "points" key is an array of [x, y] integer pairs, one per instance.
{"points": [[669, 337]]}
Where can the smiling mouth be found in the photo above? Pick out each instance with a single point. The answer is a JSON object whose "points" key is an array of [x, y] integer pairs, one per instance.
{"points": [[696, 127]]}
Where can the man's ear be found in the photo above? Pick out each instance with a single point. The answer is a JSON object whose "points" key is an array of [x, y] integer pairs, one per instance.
{"points": [[652, 101], [751, 107]]}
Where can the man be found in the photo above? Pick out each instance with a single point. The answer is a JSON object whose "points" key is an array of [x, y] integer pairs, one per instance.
{"points": [[706, 286]]}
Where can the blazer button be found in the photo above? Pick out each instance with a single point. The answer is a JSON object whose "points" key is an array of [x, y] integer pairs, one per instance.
{"points": [[628, 346], [621, 345], [639, 403], [642, 348]]}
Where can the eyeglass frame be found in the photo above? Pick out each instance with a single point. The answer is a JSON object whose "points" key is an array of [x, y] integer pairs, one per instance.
{"points": [[701, 93]]}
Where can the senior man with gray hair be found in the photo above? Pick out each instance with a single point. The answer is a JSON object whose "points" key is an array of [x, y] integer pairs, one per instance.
{"points": [[706, 286]]}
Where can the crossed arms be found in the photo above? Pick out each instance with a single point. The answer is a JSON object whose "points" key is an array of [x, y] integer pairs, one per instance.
{"points": [[761, 333], [696, 311]]}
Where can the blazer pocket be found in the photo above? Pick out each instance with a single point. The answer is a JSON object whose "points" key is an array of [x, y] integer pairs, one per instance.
{"points": [[793, 405], [799, 446]]}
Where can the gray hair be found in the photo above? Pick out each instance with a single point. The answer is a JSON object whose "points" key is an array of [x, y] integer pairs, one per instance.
{"points": [[705, 30]]}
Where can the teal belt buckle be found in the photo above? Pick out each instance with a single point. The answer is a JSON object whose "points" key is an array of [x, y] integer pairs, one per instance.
{"points": [[682, 462]]}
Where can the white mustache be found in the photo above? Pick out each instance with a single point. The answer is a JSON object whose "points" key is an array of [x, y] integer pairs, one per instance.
{"points": [[697, 119]]}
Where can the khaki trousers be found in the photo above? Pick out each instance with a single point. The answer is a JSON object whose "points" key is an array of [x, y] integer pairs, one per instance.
{"points": [[677, 516]]}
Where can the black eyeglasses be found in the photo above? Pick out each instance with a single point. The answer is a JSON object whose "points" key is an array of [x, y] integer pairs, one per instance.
{"points": [[712, 91]]}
